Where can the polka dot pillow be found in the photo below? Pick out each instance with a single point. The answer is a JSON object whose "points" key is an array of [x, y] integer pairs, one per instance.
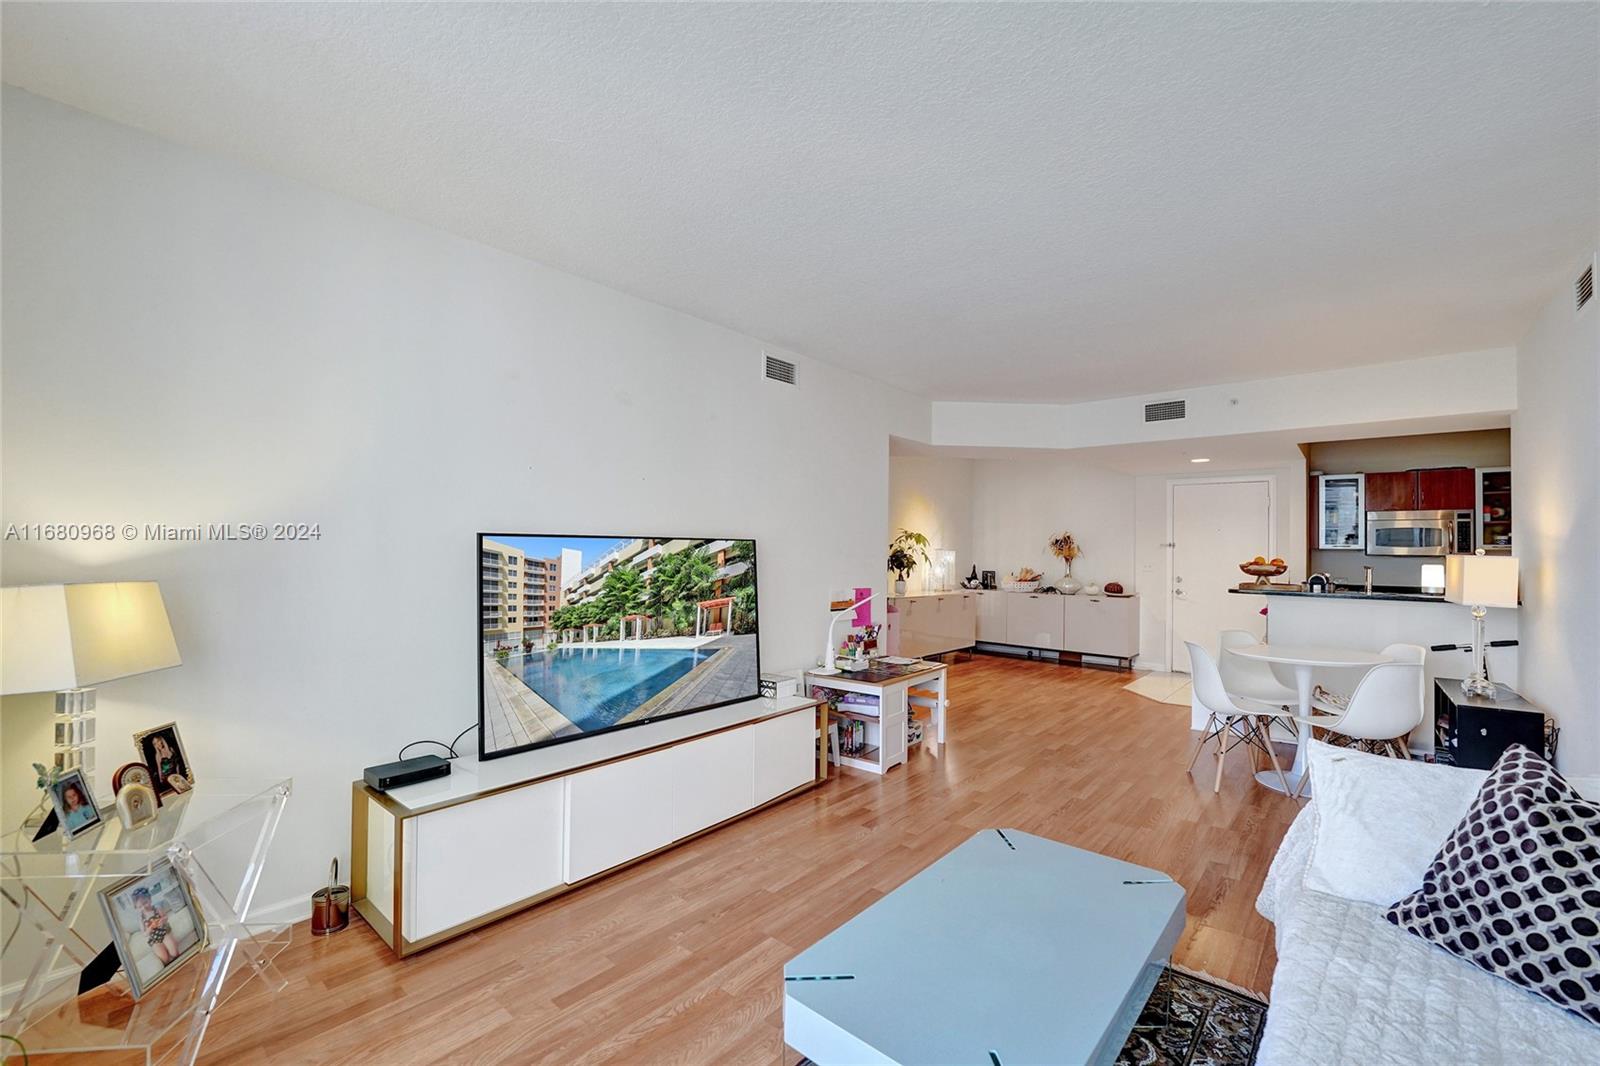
{"points": [[1515, 890]]}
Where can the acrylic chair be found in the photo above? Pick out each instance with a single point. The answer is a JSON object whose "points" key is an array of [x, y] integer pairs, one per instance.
{"points": [[1227, 722]]}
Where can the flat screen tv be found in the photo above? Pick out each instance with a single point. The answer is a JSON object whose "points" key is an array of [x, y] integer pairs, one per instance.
{"points": [[579, 635]]}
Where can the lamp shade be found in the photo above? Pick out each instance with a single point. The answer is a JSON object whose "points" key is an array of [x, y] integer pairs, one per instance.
{"points": [[58, 637], [1481, 580]]}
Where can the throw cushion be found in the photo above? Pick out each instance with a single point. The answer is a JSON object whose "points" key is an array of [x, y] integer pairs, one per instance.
{"points": [[1515, 890], [1379, 821]]}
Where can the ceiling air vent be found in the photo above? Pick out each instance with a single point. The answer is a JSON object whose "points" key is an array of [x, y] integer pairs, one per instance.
{"points": [[1165, 411], [1584, 286], [779, 369]]}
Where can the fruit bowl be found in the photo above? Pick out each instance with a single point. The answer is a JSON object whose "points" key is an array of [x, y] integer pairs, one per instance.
{"points": [[1264, 572]]}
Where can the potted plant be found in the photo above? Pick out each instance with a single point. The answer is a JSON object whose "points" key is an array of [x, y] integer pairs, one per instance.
{"points": [[1066, 549], [905, 552]]}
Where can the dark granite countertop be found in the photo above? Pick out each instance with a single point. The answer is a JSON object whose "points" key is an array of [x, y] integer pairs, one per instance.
{"points": [[1401, 593]]}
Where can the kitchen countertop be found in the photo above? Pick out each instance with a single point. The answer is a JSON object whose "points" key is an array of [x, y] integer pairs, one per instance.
{"points": [[1379, 592]]}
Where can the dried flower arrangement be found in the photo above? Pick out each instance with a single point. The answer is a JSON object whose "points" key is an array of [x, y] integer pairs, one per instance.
{"points": [[1065, 548]]}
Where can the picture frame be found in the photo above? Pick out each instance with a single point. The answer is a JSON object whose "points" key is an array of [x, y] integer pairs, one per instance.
{"points": [[133, 773], [73, 801], [161, 750], [156, 925], [136, 805]]}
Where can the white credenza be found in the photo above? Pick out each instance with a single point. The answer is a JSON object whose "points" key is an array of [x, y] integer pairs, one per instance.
{"points": [[934, 623], [1101, 626], [435, 860]]}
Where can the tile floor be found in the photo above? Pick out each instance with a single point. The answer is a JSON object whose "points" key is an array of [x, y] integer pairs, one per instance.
{"points": [[1161, 687]]}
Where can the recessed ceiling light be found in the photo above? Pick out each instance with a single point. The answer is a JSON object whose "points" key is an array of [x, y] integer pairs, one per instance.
{"points": [[1199, 460]]}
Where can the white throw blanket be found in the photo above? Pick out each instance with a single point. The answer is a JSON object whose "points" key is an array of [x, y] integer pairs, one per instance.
{"points": [[1352, 989]]}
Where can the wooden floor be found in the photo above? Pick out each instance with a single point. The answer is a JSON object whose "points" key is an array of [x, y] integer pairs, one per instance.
{"points": [[678, 959]]}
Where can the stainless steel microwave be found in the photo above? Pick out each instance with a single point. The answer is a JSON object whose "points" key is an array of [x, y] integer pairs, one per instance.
{"points": [[1419, 532]]}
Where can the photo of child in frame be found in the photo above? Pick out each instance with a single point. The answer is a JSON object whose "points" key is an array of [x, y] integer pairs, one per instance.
{"points": [[155, 925], [75, 810], [163, 753]]}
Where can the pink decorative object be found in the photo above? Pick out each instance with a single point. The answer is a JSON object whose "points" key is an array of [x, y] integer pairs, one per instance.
{"points": [[863, 610]]}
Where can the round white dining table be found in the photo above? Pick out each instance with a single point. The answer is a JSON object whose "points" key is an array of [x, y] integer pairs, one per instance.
{"points": [[1303, 658]]}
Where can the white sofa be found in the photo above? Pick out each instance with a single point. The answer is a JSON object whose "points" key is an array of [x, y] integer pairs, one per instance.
{"points": [[1350, 988]]}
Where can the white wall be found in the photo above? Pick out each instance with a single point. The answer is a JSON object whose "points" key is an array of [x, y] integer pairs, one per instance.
{"points": [[932, 495], [188, 339], [1014, 505], [1019, 504], [1555, 479], [1462, 384]]}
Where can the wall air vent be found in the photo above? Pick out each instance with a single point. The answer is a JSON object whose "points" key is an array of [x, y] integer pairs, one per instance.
{"points": [[1584, 286], [1166, 410], [779, 369]]}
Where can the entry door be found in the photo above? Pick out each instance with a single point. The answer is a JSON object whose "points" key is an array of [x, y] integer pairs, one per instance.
{"points": [[1215, 527]]}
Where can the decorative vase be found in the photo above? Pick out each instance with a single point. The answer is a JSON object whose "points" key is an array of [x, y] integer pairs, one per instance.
{"points": [[900, 586], [1066, 585]]}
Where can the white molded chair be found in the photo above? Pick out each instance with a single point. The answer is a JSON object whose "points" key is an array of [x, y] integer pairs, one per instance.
{"points": [[1247, 678], [1385, 707], [1228, 723]]}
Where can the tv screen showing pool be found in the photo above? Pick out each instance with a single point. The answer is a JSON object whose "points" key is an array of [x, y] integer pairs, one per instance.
{"points": [[580, 635]]}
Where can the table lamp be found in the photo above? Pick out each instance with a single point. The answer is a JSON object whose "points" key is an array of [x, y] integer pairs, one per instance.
{"points": [[829, 649], [1481, 581], [67, 639]]}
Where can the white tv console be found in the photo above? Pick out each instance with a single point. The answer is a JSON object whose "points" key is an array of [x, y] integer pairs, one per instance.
{"points": [[435, 860]]}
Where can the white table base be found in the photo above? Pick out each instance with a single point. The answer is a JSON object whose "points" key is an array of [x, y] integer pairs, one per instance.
{"points": [[1302, 733]]}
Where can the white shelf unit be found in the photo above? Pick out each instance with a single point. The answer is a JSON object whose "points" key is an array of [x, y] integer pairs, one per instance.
{"points": [[436, 860], [886, 723]]}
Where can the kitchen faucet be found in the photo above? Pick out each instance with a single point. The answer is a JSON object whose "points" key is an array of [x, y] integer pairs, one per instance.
{"points": [[1368, 569]]}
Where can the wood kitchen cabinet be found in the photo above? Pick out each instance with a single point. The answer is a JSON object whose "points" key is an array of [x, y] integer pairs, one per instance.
{"points": [[1392, 491], [1447, 488], [1450, 488]]}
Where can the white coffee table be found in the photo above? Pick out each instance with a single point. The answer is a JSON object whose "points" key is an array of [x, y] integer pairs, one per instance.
{"points": [[1305, 659], [1011, 949]]}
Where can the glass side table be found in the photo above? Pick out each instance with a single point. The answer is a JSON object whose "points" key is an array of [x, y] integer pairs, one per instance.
{"points": [[218, 836]]}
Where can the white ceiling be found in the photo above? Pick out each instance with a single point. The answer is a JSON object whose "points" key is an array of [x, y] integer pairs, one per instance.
{"points": [[1030, 202]]}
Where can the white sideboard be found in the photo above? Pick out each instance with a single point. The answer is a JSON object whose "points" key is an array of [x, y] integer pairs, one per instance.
{"points": [[934, 623], [939, 622], [1101, 626], [435, 860]]}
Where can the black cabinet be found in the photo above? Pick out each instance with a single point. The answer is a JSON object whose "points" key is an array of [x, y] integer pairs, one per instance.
{"points": [[1473, 731]]}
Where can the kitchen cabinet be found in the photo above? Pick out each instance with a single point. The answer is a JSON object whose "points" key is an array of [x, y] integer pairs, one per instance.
{"points": [[1035, 620], [1493, 508], [1450, 488], [1340, 512], [1392, 490], [1445, 488]]}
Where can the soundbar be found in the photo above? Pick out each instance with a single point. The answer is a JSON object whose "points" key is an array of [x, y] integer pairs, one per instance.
{"points": [[406, 772]]}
